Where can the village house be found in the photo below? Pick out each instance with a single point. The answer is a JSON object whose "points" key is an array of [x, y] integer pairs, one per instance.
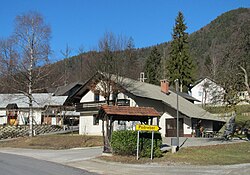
{"points": [[14, 108], [207, 92], [140, 94]]}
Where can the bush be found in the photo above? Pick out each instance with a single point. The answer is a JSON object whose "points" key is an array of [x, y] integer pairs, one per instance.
{"points": [[145, 144], [125, 143]]}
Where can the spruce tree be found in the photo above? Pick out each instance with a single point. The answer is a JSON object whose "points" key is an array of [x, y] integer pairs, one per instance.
{"points": [[152, 67], [181, 65]]}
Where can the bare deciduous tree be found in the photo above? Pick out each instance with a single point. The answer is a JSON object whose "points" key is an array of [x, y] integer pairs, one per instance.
{"points": [[246, 83], [31, 42], [112, 67], [66, 55]]}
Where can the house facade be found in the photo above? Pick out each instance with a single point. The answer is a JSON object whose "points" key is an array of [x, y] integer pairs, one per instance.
{"points": [[140, 94], [14, 108], [207, 92]]}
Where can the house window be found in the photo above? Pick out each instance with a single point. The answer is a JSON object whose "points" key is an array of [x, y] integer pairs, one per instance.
{"points": [[95, 120], [121, 122], [200, 93], [96, 96]]}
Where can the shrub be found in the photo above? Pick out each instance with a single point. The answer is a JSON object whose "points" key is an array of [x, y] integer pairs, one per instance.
{"points": [[145, 144], [125, 143]]}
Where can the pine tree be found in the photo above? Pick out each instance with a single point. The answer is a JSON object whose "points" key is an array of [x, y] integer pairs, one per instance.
{"points": [[152, 67], [181, 65]]}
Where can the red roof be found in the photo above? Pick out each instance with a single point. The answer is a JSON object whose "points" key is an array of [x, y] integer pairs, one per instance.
{"points": [[130, 111]]}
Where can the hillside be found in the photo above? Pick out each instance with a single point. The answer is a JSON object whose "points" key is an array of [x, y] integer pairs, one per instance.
{"points": [[225, 39], [229, 31]]}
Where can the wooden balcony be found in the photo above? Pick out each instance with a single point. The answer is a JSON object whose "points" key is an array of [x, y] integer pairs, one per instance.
{"points": [[95, 105]]}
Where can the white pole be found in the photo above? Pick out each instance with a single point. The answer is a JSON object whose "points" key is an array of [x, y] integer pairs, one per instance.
{"points": [[152, 145], [138, 139]]}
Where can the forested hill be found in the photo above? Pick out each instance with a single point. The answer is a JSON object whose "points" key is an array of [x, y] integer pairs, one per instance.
{"points": [[225, 40], [227, 35]]}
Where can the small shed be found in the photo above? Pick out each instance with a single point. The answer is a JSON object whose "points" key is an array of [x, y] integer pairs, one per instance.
{"points": [[109, 114], [12, 110]]}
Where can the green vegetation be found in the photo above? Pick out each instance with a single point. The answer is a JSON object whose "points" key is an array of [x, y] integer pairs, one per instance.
{"points": [[243, 121], [152, 67], [213, 155], [224, 109], [125, 143], [225, 154], [181, 65]]}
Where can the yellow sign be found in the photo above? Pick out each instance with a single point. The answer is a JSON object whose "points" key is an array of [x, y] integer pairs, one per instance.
{"points": [[147, 128]]}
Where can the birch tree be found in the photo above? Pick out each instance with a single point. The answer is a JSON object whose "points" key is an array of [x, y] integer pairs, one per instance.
{"points": [[31, 39]]}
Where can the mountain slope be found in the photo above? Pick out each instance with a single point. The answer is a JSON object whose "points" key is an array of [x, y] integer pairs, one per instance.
{"points": [[227, 35]]}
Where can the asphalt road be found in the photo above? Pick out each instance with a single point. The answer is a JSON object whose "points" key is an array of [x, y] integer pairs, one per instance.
{"points": [[16, 165], [85, 159], [57, 156]]}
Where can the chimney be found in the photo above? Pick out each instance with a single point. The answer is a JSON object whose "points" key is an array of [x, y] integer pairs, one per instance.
{"points": [[165, 86]]}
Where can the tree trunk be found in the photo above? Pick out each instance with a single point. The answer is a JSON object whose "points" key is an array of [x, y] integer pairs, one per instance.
{"points": [[30, 93], [30, 117]]}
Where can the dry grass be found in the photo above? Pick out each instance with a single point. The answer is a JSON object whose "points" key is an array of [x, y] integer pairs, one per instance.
{"points": [[53, 142]]}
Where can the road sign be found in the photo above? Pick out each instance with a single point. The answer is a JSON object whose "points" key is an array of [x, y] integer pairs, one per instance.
{"points": [[147, 128]]}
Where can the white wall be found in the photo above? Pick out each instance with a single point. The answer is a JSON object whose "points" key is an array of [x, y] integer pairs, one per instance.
{"points": [[162, 123], [3, 118], [207, 92], [37, 114], [22, 117], [187, 125], [86, 126], [89, 97]]}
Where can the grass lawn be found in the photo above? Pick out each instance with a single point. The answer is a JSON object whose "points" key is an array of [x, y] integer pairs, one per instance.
{"points": [[213, 155], [226, 154], [53, 142]]}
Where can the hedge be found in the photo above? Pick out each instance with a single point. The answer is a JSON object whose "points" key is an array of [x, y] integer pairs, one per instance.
{"points": [[125, 143]]}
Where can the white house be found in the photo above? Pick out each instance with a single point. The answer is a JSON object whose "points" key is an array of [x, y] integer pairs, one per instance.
{"points": [[135, 93], [207, 92], [244, 97], [14, 108]]}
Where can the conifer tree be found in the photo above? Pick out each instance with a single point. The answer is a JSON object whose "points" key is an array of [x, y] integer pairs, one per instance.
{"points": [[181, 65], [152, 67]]}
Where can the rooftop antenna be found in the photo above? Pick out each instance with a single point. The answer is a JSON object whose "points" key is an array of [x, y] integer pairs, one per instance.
{"points": [[142, 77]]}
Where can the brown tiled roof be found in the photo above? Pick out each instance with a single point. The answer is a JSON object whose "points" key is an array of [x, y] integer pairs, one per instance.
{"points": [[130, 111]]}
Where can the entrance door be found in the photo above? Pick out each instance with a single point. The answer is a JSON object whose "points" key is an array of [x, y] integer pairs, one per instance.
{"points": [[171, 128]]}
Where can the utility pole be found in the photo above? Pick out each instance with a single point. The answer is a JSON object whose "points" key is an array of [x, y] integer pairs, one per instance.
{"points": [[177, 111]]}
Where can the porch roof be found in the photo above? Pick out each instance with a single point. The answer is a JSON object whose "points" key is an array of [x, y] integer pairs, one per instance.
{"points": [[127, 113]]}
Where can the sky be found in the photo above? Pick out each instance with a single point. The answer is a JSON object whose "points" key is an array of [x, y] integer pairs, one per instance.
{"points": [[82, 23]]}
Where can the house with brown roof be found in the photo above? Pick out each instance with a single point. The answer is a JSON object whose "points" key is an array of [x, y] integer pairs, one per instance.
{"points": [[140, 94]]}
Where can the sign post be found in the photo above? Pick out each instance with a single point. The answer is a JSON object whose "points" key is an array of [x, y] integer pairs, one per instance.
{"points": [[147, 128], [151, 128], [138, 139], [152, 145]]}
